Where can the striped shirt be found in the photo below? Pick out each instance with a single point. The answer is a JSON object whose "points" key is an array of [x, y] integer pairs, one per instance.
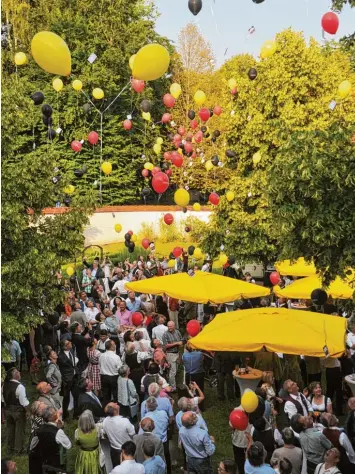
{"points": [[170, 338]]}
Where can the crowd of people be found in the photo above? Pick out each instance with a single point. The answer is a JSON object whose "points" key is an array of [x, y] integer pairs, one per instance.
{"points": [[110, 359]]}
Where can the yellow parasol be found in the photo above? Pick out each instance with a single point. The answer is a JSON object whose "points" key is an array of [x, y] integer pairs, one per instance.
{"points": [[302, 289], [202, 287], [299, 268], [277, 329]]}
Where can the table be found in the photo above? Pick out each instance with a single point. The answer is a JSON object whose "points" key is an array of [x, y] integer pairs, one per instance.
{"points": [[250, 380], [299, 306], [350, 380]]}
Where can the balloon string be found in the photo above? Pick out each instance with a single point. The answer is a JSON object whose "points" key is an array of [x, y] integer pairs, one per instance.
{"points": [[117, 96], [101, 146], [58, 107]]}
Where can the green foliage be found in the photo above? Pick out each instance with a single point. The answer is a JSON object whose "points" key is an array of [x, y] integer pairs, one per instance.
{"points": [[147, 231], [170, 233], [339, 4]]}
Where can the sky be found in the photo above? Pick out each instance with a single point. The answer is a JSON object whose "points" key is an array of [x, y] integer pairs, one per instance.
{"points": [[225, 23]]}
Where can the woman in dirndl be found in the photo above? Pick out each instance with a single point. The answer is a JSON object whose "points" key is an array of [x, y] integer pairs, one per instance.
{"points": [[93, 368]]}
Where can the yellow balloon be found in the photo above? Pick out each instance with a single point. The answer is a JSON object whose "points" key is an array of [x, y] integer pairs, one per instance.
{"points": [[196, 207], [181, 197], [256, 157], [98, 93], [199, 97], [160, 141], [146, 116], [180, 151], [57, 84], [157, 148], [118, 228], [232, 83], [106, 167], [151, 62], [208, 165], [171, 263], [197, 252], [69, 189], [344, 89], [268, 49], [148, 166], [77, 85], [131, 61], [70, 271], [223, 258], [51, 53], [175, 90], [20, 59], [230, 196], [134, 238], [249, 402]]}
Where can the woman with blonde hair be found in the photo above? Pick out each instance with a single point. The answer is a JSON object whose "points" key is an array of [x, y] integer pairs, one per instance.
{"points": [[87, 439]]}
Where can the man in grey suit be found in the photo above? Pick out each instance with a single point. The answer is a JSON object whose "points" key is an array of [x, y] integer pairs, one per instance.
{"points": [[147, 425], [78, 316], [43, 389], [54, 377]]}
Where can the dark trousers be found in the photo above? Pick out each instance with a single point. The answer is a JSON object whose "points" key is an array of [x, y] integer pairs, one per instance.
{"points": [[199, 466], [115, 456], [108, 388], [15, 428], [228, 377], [199, 378], [70, 388], [167, 456], [334, 385], [311, 467], [314, 378], [239, 458]]}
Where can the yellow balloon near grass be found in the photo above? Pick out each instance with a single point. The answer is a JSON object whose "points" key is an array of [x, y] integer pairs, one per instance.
{"points": [[344, 89], [118, 228], [69, 189], [20, 59], [181, 197], [157, 148], [70, 271], [51, 53], [268, 49], [197, 252], [106, 167], [146, 116], [171, 263], [232, 83], [131, 61], [175, 90], [98, 93], [151, 62], [199, 97], [208, 165], [160, 141], [57, 84], [196, 206], [77, 85], [230, 196], [256, 157], [148, 166], [223, 259], [249, 402]]}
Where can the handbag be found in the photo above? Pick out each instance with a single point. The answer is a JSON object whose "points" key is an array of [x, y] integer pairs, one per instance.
{"points": [[133, 409]]}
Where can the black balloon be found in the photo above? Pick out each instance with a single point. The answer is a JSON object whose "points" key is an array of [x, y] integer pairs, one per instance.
{"points": [[215, 160], [51, 134], [72, 279], [78, 173], [195, 6], [258, 1], [67, 201], [191, 250], [145, 105], [203, 129], [319, 296], [213, 139], [211, 112], [131, 245], [188, 139], [86, 108], [187, 228], [259, 412], [165, 166], [130, 250], [216, 133], [191, 114], [47, 110], [127, 242], [38, 98], [47, 120], [207, 135], [252, 73], [127, 236], [231, 153], [145, 191], [231, 260], [184, 210]]}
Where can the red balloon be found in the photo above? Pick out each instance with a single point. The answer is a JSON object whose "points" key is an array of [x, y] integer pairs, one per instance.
{"points": [[188, 147], [204, 114], [145, 173], [217, 110], [127, 124], [137, 318], [198, 137], [177, 144], [167, 155], [156, 170], [275, 278], [177, 251], [168, 218], [193, 327], [330, 23], [194, 124], [193, 155], [177, 160], [181, 131], [138, 85], [168, 172], [166, 118], [93, 138], [213, 198], [169, 100], [76, 145], [160, 182], [177, 137], [239, 420], [130, 232], [234, 91], [145, 243]]}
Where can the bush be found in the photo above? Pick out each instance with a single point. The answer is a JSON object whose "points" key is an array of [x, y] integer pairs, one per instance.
{"points": [[170, 233], [147, 231]]}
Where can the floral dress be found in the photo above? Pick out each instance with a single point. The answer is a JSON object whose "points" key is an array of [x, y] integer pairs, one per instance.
{"points": [[93, 368]]}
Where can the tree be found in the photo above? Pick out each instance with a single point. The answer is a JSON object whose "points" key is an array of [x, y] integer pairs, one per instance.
{"points": [[339, 4], [292, 93]]}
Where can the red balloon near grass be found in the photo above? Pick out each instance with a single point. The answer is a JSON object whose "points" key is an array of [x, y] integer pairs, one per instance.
{"points": [[93, 138], [127, 124], [76, 146], [160, 182], [169, 100], [193, 328], [213, 199], [217, 110], [166, 118], [275, 278], [156, 170], [167, 156], [177, 160], [145, 243], [239, 420], [168, 218], [138, 85], [177, 251], [204, 114], [194, 124], [145, 173], [137, 318]]}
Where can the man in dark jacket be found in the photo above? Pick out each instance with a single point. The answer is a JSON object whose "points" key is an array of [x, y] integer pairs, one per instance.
{"points": [[89, 401], [81, 341], [225, 363], [67, 363]]}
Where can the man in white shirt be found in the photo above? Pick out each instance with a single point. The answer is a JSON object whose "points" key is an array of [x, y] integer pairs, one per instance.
{"points": [[128, 464], [91, 312], [296, 402], [118, 430], [109, 363], [160, 329], [120, 285]]}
